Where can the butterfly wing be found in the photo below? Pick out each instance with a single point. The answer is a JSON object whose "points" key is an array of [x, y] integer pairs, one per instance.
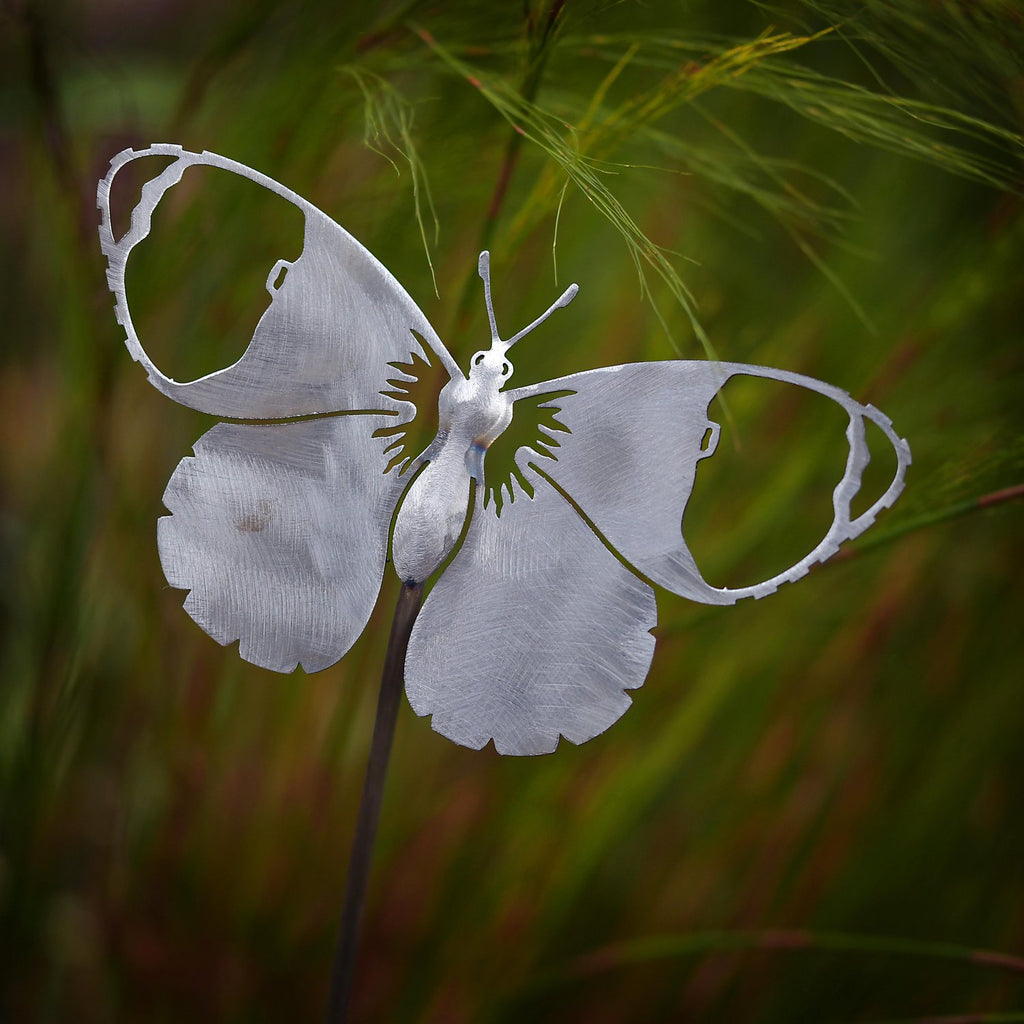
{"points": [[635, 436], [337, 317], [280, 531], [534, 630]]}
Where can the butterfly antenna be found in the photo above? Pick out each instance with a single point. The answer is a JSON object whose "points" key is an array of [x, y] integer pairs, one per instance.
{"points": [[484, 270], [560, 303]]}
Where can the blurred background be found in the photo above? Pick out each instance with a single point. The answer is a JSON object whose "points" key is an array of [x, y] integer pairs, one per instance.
{"points": [[813, 810]]}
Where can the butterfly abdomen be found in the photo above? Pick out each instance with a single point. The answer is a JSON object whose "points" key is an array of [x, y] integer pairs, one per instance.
{"points": [[431, 516]]}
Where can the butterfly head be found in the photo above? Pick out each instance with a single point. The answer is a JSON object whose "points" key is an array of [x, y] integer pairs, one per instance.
{"points": [[494, 361], [491, 363]]}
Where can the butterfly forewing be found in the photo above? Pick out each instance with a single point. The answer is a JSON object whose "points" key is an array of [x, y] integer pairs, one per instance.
{"points": [[534, 631], [336, 320], [635, 436]]}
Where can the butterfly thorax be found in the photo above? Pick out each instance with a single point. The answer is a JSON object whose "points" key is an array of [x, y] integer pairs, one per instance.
{"points": [[475, 408]]}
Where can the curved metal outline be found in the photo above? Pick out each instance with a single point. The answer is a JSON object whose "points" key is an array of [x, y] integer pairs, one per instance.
{"points": [[843, 527]]}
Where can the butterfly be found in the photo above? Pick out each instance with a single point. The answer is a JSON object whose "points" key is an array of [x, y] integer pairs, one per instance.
{"points": [[280, 531]]}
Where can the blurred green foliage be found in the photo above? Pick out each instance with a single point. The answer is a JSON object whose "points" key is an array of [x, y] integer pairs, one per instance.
{"points": [[813, 812]]}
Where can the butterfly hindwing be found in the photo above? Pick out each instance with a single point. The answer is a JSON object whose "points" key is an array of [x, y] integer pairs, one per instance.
{"points": [[280, 533], [534, 631]]}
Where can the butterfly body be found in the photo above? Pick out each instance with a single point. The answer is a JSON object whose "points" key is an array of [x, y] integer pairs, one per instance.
{"points": [[280, 531], [473, 412], [432, 513]]}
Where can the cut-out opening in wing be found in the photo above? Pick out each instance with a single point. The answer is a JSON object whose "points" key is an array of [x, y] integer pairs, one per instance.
{"points": [[535, 426], [417, 384], [765, 499], [218, 250]]}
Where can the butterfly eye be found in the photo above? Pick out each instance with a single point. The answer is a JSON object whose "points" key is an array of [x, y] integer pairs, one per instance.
{"points": [[478, 358], [506, 369]]}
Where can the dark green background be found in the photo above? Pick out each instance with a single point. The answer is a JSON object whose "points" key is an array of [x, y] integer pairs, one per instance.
{"points": [[816, 800]]}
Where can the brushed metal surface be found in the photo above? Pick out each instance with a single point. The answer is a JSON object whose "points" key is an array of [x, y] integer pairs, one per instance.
{"points": [[280, 533], [472, 413], [534, 631]]}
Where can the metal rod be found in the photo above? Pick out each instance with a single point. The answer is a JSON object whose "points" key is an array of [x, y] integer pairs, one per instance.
{"points": [[369, 807]]}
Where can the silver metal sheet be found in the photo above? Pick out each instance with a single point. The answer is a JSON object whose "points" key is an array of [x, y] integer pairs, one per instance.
{"points": [[534, 631], [280, 533]]}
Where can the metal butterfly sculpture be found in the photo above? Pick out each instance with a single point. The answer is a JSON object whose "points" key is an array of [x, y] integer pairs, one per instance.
{"points": [[280, 531]]}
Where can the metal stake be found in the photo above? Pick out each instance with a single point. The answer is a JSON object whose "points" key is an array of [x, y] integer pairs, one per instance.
{"points": [[369, 807]]}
